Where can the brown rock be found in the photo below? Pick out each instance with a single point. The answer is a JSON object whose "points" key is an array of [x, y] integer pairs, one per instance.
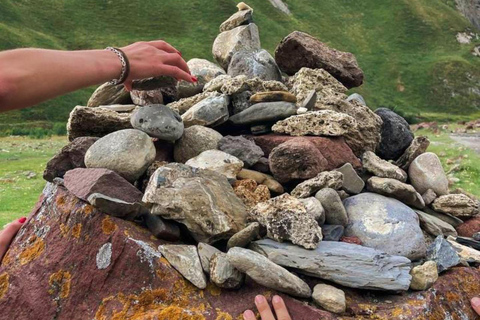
{"points": [[84, 182], [300, 50], [122, 250], [418, 146], [296, 159], [261, 178], [73, 268], [458, 205], [70, 157], [250, 192], [95, 122], [333, 149], [469, 227]]}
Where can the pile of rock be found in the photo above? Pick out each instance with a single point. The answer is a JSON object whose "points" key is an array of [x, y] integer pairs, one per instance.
{"points": [[251, 174]]}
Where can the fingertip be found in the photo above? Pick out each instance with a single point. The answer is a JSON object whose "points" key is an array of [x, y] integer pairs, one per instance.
{"points": [[22, 220], [128, 86], [249, 315], [277, 300]]}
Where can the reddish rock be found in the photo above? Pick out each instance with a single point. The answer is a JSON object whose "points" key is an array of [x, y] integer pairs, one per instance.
{"points": [[83, 182], [300, 49], [296, 159], [334, 150], [70, 261], [70, 157], [353, 240], [469, 227]]}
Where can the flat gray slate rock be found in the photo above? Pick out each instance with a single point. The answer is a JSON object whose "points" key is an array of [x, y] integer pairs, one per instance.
{"points": [[265, 112], [184, 258], [347, 264], [267, 273]]}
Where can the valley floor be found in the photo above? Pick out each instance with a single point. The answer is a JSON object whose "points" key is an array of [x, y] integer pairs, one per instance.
{"points": [[23, 159]]}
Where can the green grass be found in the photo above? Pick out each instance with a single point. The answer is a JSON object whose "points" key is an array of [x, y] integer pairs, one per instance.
{"points": [[451, 154], [20, 156], [407, 48]]}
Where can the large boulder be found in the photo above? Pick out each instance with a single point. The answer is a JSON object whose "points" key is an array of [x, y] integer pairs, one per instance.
{"points": [[385, 224], [202, 200], [254, 64], [396, 135], [58, 256], [300, 49], [232, 41]]}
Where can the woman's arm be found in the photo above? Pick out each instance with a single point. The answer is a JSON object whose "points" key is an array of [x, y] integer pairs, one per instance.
{"points": [[31, 76]]}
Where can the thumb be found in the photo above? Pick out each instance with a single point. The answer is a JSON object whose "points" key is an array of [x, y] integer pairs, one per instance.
{"points": [[476, 305], [8, 233], [128, 85]]}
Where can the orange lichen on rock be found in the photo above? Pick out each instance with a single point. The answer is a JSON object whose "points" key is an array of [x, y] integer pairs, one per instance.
{"points": [[213, 290], [63, 230], [60, 284], [7, 259], [33, 251], [150, 304], [88, 209], [4, 282], [108, 226], [77, 230]]}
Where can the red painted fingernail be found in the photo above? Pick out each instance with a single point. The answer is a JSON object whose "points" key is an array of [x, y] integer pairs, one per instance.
{"points": [[259, 299], [22, 220], [276, 299], [194, 79]]}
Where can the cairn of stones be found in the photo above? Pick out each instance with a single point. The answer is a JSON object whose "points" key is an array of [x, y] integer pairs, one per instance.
{"points": [[266, 168]]}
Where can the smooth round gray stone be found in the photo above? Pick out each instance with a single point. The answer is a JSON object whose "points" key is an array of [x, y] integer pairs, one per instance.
{"points": [[158, 121], [128, 152], [332, 203], [426, 172], [264, 112], [385, 224], [194, 141]]}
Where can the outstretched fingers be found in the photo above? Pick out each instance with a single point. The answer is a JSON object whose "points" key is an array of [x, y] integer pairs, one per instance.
{"points": [[162, 45], [176, 72], [175, 60]]}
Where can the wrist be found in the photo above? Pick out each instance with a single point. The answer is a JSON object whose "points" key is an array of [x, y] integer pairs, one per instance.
{"points": [[108, 64]]}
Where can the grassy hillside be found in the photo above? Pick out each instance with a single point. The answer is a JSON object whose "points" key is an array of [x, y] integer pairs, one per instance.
{"points": [[407, 48]]}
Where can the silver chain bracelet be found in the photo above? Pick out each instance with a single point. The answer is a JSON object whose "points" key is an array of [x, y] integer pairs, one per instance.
{"points": [[125, 66]]}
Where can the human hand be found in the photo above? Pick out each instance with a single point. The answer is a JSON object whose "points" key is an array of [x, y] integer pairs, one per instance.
{"points": [[476, 304], [265, 311], [155, 58], [7, 235]]}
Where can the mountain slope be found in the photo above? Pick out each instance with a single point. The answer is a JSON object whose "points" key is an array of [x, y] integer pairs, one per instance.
{"points": [[407, 48]]}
